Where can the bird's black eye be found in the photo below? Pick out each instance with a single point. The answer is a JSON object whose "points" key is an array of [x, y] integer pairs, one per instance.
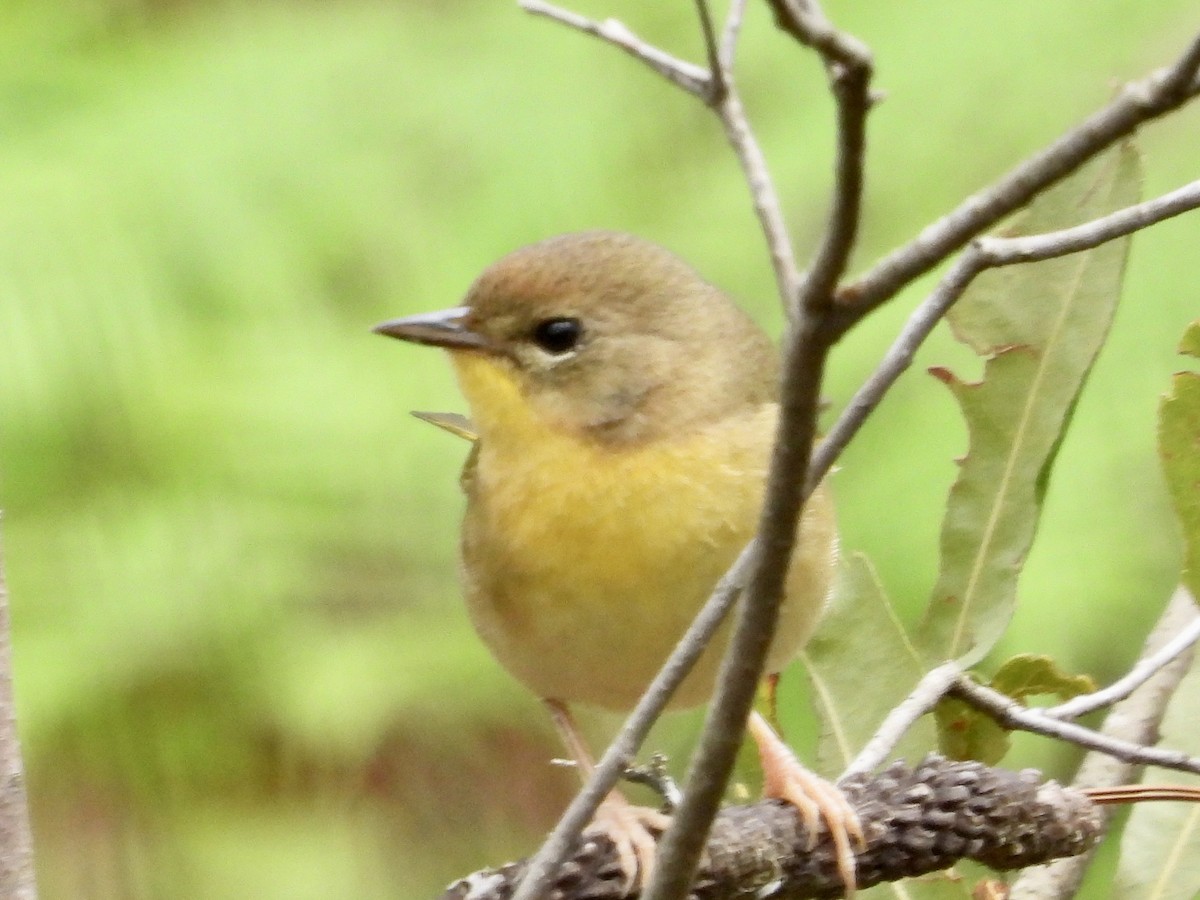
{"points": [[558, 336]]}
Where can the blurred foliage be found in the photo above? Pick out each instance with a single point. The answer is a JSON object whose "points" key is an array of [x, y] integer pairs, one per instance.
{"points": [[242, 666]]}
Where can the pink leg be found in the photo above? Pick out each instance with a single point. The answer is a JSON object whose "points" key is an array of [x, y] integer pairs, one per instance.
{"points": [[814, 797], [629, 827]]}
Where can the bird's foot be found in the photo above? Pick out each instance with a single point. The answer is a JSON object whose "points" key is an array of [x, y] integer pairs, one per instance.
{"points": [[784, 778], [633, 830]]}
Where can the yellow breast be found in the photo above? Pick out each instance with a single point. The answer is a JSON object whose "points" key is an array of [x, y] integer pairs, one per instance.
{"points": [[584, 563]]}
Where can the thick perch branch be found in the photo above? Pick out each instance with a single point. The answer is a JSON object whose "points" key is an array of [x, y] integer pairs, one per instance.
{"points": [[916, 821]]}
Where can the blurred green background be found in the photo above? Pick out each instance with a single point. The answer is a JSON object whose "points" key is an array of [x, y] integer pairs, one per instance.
{"points": [[242, 666]]}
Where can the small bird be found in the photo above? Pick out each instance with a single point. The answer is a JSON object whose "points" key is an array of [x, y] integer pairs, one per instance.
{"points": [[623, 412]]}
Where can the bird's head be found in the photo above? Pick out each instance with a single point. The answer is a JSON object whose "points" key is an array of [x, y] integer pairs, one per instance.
{"points": [[602, 335]]}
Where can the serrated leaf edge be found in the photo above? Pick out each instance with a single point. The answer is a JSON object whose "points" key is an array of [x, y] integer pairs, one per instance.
{"points": [[1043, 356]]}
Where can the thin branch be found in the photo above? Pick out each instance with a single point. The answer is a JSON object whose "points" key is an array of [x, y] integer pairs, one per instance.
{"points": [[730, 34], [852, 91], [1016, 717], [1138, 103], [1135, 720], [806, 22], [718, 86], [539, 873], [689, 76], [726, 102], [762, 194], [850, 66], [806, 348], [937, 682], [981, 254], [1001, 251], [896, 361], [1141, 672], [922, 699], [741, 668]]}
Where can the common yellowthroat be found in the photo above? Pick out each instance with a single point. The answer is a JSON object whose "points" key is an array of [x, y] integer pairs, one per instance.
{"points": [[624, 411]]}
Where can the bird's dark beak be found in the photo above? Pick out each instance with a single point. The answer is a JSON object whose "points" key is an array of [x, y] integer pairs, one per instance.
{"points": [[445, 328]]}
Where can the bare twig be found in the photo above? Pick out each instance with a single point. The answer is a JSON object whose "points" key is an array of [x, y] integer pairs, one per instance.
{"points": [[727, 104], [852, 91], [718, 85], [1016, 717], [656, 776], [16, 840], [849, 64], [730, 33], [1142, 671], [939, 681], [922, 699], [689, 76], [1137, 104], [896, 361], [981, 254], [763, 195], [741, 668], [806, 22], [1001, 251], [1135, 720]]}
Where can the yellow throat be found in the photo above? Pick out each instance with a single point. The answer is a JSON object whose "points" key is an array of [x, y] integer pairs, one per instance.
{"points": [[584, 563]]}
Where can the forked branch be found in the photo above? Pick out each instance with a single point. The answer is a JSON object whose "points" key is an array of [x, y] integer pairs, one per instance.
{"points": [[982, 254], [1138, 103]]}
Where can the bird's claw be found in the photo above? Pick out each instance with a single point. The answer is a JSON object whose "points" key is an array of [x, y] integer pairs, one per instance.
{"points": [[784, 778], [633, 830]]}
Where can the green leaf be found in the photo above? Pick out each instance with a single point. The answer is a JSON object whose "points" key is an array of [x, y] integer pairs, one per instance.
{"points": [[1160, 848], [860, 663], [1039, 327], [966, 733], [1179, 446], [1189, 344], [1029, 675]]}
